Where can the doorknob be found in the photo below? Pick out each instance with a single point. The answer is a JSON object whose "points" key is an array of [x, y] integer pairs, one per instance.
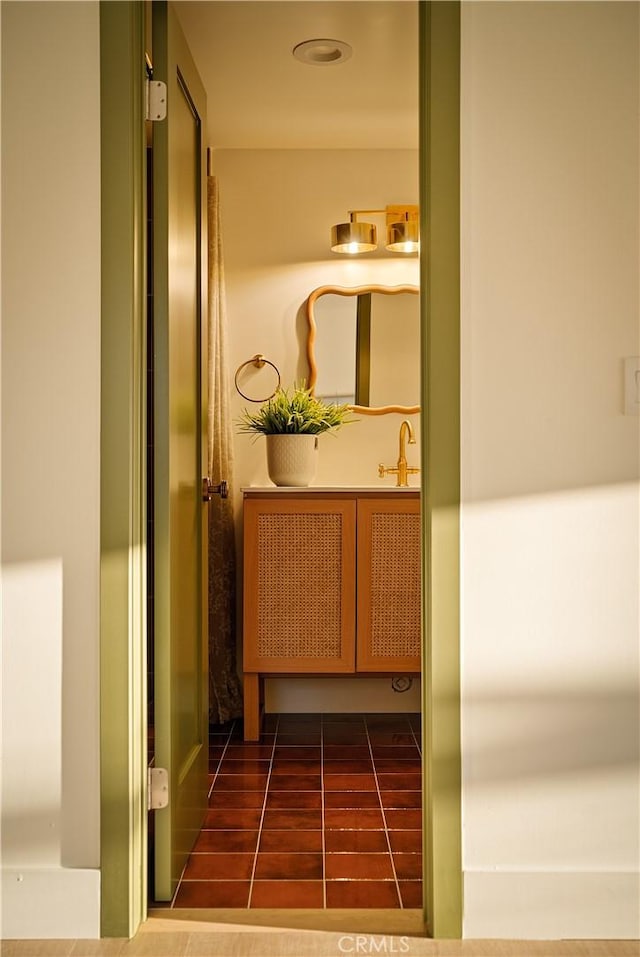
{"points": [[209, 490]]}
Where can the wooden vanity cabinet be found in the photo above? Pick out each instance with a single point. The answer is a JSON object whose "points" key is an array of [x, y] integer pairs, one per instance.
{"points": [[388, 584], [299, 584], [331, 586]]}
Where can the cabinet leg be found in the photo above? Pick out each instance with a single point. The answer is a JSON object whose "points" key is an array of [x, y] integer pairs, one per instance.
{"points": [[252, 684]]}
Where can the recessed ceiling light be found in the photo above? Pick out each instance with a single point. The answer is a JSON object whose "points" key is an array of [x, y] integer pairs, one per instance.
{"points": [[322, 52]]}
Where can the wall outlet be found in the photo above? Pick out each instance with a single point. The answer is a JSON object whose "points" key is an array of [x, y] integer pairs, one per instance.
{"points": [[632, 385]]}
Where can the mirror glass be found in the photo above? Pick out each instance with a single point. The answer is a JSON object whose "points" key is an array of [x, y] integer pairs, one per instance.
{"points": [[364, 347]]}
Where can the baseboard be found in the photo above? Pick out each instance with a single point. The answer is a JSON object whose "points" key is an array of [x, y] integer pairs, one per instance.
{"points": [[52, 902], [552, 905]]}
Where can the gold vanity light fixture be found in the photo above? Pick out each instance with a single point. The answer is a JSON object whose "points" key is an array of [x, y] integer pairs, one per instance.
{"points": [[403, 234], [354, 237]]}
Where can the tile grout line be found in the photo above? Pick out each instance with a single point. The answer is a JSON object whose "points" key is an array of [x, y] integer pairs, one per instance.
{"points": [[384, 817], [221, 758], [415, 738], [322, 807], [262, 815]]}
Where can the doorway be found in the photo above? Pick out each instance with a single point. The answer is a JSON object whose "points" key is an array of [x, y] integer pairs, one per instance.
{"points": [[271, 265], [440, 39]]}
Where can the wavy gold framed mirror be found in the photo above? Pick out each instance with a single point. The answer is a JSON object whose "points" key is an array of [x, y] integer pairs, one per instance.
{"points": [[363, 347]]}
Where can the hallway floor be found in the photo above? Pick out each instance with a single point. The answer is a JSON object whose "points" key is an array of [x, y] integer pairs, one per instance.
{"points": [[173, 938], [322, 812]]}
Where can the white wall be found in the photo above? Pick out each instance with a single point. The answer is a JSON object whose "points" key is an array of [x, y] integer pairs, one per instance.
{"points": [[550, 531], [50, 468], [277, 209]]}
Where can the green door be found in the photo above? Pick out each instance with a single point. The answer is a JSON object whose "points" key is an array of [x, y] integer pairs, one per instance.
{"points": [[180, 427]]}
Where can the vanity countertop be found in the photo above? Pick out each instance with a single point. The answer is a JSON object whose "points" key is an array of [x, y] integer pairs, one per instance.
{"points": [[330, 489]]}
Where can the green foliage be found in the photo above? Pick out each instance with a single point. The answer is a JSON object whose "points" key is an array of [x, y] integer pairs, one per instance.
{"points": [[294, 412]]}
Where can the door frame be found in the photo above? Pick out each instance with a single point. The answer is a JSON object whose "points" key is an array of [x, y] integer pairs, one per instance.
{"points": [[440, 464], [123, 466], [123, 619]]}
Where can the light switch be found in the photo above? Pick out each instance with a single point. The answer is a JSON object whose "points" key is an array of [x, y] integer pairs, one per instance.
{"points": [[632, 385]]}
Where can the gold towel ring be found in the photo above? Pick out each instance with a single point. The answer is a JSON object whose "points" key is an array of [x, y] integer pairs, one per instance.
{"points": [[259, 362]]}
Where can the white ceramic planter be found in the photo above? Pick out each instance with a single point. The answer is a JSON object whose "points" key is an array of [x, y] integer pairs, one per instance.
{"points": [[292, 459]]}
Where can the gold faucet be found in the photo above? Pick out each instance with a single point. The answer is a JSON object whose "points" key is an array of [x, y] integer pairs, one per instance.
{"points": [[401, 469]]}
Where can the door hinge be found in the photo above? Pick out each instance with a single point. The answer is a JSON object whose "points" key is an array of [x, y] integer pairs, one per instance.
{"points": [[157, 788], [156, 100]]}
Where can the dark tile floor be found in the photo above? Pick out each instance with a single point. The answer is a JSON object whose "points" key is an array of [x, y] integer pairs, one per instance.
{"points": [[323, 811]]}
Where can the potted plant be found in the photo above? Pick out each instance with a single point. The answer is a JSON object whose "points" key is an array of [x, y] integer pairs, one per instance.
{"points": [[292, 419]]}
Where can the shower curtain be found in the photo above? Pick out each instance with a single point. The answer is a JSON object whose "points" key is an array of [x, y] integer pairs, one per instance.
{"points": [[225, 694]]}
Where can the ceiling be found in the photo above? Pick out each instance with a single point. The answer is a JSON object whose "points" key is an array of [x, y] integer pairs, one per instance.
{"points": [[261, 97]]}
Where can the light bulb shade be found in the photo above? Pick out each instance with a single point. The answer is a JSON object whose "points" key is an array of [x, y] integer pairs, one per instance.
{"points": [[403, 237], [354, 237]]}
